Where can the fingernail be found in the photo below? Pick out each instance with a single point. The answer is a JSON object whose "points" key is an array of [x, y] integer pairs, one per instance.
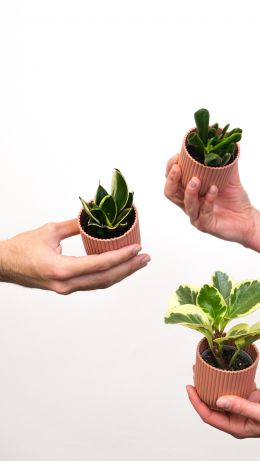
{"points": [[144, 260], [193, 183], [213, 189], [223, 403], [136, 249]]}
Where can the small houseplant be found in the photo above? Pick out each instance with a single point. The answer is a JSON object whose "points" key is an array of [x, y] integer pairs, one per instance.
{"points": [[209, 152], [110, 220], [226, 361]]}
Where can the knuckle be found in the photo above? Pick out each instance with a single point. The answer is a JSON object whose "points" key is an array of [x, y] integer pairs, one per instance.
{"points": [[50, 227], [61, 288]]}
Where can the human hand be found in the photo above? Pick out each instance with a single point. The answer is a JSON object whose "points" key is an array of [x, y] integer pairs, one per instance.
{"points": [[241, 418], [228, 215], [34, 259]]}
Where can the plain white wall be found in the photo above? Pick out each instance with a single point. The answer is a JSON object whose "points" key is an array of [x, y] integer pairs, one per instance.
{"points": [[86, 87]]}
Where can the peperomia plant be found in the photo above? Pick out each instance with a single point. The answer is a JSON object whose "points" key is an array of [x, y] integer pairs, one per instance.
{"points": [[211, 145], [210, 309], [110, 214]]}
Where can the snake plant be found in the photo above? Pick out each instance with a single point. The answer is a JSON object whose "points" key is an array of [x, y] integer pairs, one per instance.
{"points": [[211, 145], [110, 214], [210, 308]]}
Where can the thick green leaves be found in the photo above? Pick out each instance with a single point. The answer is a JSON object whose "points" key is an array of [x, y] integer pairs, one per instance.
{"points": [[108, 206], [212, 303], [223, 284], [244, 298], [212, 159], [202, 123], [192, 317], [119, 190]]}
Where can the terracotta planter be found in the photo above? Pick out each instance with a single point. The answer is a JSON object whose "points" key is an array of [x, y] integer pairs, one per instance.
{"points": [[211, 383], [96, 246], [208, 175]]}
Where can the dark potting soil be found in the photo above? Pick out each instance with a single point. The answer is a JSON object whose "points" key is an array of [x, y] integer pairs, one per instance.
{"points": [[104, 233], [242, 361]]}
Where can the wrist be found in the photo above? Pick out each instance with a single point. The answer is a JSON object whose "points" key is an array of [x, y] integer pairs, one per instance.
{"points": [[252, 239]]}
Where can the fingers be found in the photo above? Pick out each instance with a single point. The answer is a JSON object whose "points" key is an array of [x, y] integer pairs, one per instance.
{"points": [[170, 163], [239, 406], [173, 189], [78, 266], [103, 279], [213, 418], [255, 396], [191, 199], [66, 229]]}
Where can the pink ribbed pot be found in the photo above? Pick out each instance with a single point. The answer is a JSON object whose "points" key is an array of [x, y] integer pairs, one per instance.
{"points": [[96, 246], [208, 175], [211, 383]]}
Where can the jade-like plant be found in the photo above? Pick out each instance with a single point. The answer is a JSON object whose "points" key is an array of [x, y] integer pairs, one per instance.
{"points": [[110, 214], [210, 309], [209, 144]]}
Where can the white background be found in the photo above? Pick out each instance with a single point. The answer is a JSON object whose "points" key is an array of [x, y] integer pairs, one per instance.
{"points": [[86, 87]]}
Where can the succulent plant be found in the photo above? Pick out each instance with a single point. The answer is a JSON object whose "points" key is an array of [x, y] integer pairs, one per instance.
{"points": [[210, 308], [110, 215], [211, 145]]}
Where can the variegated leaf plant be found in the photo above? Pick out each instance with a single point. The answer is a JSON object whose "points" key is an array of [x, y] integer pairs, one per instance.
{"points": [[210, 308], [109, 213]]}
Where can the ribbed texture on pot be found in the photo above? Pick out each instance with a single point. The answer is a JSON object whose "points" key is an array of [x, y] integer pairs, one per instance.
{"points": [[208, 175], [94, 245], [211, 383]]}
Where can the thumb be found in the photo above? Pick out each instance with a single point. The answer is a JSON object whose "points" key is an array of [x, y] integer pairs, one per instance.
{"points": [[240, 406], [67, 228]]}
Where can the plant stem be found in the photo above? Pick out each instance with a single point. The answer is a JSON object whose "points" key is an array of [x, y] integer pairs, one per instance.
{"points": [[233, 358]]}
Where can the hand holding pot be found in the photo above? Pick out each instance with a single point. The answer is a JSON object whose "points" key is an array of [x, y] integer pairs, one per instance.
{"points": [[228, 215], [34, 259], [241, 418]]}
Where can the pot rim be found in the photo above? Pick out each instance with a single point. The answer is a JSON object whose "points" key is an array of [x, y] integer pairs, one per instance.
{"points": [[213, 168], [96, 239], [207, 365]]}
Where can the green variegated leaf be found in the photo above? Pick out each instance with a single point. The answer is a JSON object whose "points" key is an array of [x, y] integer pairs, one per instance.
{"points": [[130, 199], [192, 317], [186, 295], [212, 303], [101, 193], [252, 336], [222, 282], [121, 217], [94, 224], [108, 206], [119, 189], [99, 215], [244, 298], [236, 332], [88, 210]]}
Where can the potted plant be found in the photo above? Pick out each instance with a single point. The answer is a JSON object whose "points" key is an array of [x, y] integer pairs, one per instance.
{"points": [[209, 153], [226, 361], [109, 221]]}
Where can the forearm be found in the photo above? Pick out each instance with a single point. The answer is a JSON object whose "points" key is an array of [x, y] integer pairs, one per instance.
{"points": [[5, 262], [2, 261], [252, 239]]}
